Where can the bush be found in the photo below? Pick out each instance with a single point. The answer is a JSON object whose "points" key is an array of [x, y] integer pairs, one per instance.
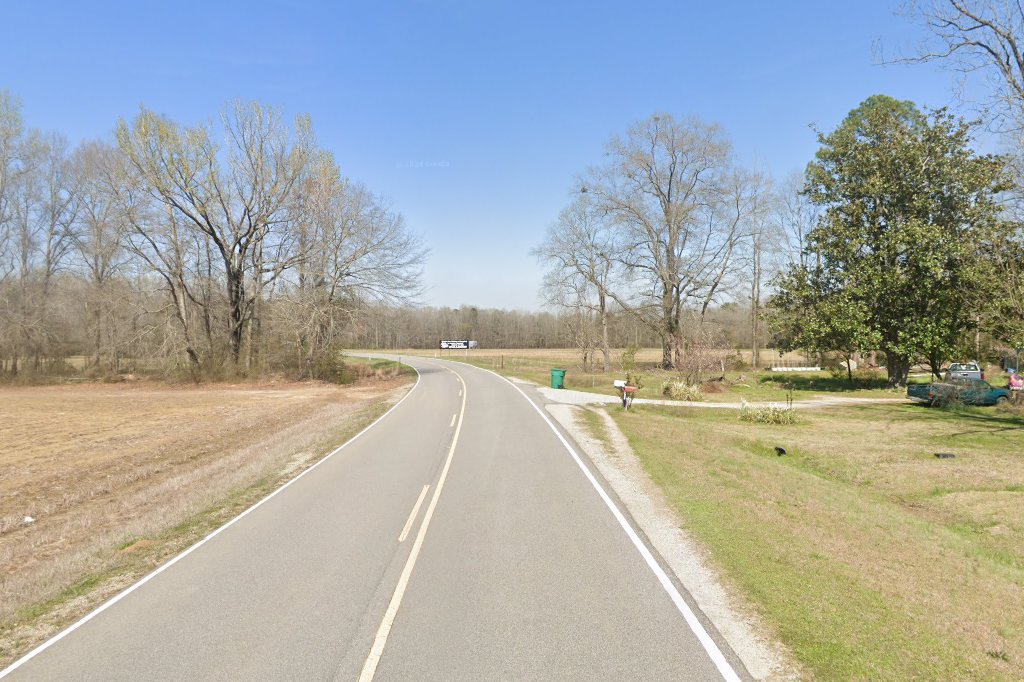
{"points": [[768, 414], [837, 373], [735, 362], [628, 358], [635, 380], [370, 369], [676, 389], [331, 367]]}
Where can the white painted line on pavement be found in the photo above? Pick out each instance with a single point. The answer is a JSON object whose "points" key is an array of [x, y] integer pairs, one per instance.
{"points": [[413, 514], [716, 655], [121, 595], [373, 659], [452, 423]]}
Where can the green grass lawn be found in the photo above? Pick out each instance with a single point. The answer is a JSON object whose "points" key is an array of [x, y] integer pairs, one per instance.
{"points": [[870, 558]]}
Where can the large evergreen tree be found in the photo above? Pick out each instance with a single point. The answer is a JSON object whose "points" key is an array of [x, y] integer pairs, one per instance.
{"points": [[910, 211]]}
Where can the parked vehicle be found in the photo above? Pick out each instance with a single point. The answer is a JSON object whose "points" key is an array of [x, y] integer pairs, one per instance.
{"points": [[967, 391], [964, 370]]}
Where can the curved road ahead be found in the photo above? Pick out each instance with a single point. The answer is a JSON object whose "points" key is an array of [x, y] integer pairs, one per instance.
{"points": [[458, 538]]}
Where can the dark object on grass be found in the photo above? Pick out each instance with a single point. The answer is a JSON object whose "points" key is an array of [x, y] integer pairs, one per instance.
{"points": [[780, 451], [945, 455]]}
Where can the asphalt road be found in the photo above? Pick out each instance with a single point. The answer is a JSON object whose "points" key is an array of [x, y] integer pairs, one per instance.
{"points": [[457, 539]]}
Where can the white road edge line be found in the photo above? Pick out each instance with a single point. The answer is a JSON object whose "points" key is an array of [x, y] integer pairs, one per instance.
{"points": [[452, 423], [381, 639], [412, 515], [716, 655], [121, 595]]}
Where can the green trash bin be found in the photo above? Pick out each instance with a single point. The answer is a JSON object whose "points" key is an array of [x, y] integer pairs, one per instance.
{"points": [[557, 378]]}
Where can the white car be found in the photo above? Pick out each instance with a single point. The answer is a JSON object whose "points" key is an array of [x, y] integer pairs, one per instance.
{"points": [[965, 370]]}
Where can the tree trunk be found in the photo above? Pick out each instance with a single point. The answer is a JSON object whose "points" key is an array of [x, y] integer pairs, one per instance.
{"points": [[935, 364], [755, 307], [236, 313], [181, 313], [605, 348], [897, 367], [666, 351]]}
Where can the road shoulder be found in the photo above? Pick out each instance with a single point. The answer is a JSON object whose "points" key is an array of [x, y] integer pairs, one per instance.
{"points": [[620, 467]]}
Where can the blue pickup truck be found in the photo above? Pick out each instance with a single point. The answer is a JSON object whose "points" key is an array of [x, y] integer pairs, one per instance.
{"points": [[966, 391]]}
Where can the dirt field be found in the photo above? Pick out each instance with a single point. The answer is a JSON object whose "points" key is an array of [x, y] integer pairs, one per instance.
{"points": [[107, 472]]}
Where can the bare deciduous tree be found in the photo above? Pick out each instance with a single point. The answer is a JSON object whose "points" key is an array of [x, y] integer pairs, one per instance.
{"points": [[977, 36], [795, 217], [41, 204], [579, 250], [753, 203], [174, 245], [350, 250], [235, 197], [677, 203], [98, 241], [10, 134]]}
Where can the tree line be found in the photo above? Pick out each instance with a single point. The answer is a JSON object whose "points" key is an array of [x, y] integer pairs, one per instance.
{"points": [[225, 248], [423, 327]]}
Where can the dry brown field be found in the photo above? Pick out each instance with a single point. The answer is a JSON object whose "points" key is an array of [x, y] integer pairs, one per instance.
{"points": [[116, 478]]}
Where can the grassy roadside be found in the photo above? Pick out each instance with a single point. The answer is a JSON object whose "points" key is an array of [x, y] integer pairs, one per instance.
{"points": [[867, 556], [116, 565], [361, 368]]}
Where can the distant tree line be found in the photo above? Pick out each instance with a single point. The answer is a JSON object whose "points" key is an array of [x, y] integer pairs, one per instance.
{"points": [[212, 250], [393, 328], [424, 327]]}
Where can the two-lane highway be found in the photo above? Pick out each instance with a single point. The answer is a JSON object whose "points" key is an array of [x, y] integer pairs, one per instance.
{"points": [[458, 538]]}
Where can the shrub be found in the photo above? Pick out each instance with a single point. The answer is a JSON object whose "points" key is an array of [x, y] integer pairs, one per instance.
{"points": [[735, 362], [636, 380], [629, 358], [676, 389], [768, 414], [372, 369], [837, 373]]}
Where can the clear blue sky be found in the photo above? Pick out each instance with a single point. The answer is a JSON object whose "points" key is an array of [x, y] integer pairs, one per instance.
{"points": [[471, 117]]}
